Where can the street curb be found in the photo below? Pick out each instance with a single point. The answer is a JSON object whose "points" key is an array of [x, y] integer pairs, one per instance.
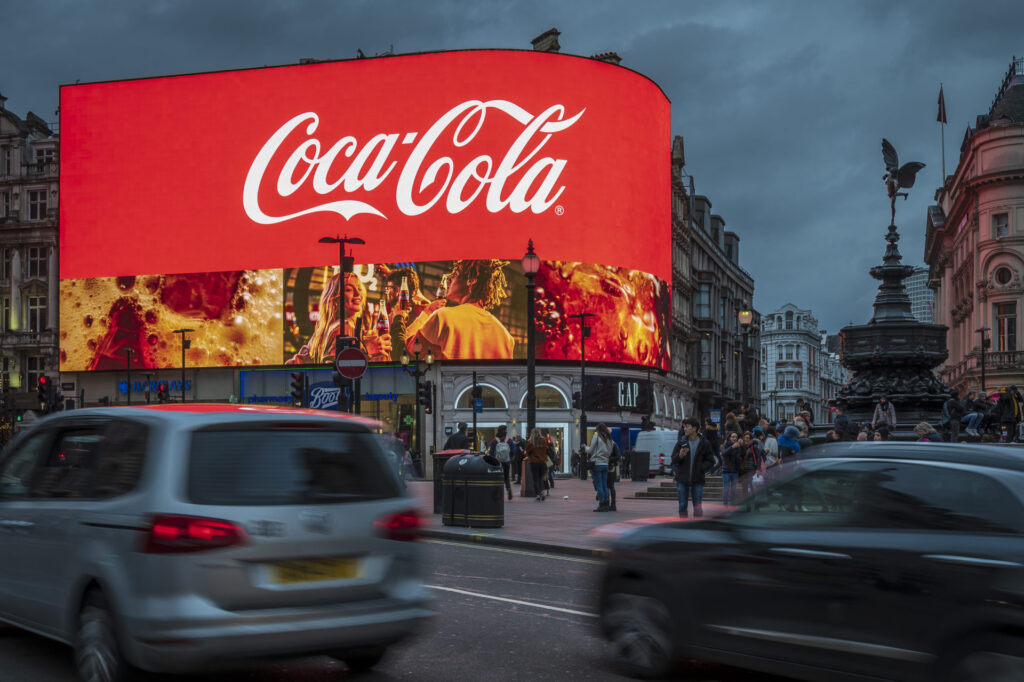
{"points": [[513, 542]]}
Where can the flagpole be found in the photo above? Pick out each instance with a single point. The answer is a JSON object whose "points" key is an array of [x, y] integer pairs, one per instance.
{"points": [[942, 127]]}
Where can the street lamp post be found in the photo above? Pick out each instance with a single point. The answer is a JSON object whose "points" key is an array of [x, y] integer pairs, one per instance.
{"points": [[531, 265], [416, 373], [185, 345], [346, 263], [584, 333], [984, 346], [745, 318], [128, 352]]}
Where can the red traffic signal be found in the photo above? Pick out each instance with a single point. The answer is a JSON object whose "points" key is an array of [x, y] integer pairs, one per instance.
{"points": [[163, 395]]}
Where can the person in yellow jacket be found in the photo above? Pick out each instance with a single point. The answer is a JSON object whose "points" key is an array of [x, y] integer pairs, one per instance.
{"points": [[458, 325]]}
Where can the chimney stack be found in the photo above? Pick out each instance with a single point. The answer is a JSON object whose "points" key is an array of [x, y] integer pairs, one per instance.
{"points": [[547, 41]]}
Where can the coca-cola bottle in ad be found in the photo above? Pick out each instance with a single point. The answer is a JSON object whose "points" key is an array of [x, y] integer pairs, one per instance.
{"points": [[383, 324], [404, 299]]}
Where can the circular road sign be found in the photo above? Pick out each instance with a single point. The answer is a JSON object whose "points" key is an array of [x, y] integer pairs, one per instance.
{"points": [[351, 363]]}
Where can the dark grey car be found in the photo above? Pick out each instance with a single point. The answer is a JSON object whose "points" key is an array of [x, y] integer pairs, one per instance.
{"points": [[170, 538], [867, 561]]}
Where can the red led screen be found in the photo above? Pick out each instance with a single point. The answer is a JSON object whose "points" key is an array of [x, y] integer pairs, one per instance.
{"points": [[429, 158]]}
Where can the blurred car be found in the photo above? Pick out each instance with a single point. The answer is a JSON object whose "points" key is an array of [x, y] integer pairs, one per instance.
{"points": [[173, 537], [868, 561]]}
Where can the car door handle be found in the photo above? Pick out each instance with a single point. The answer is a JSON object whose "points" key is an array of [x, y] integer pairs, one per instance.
{"points": [[809, 553], [971, 561], [14, 523]]}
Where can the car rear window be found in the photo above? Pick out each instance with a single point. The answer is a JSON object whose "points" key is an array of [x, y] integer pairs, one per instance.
{"points": [[284, 467]]}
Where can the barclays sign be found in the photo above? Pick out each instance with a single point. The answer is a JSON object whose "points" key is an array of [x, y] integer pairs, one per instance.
{"points": [[141, 386]]}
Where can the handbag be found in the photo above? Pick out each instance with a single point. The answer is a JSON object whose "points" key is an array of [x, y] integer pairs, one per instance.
{"points": [[550, 462]]}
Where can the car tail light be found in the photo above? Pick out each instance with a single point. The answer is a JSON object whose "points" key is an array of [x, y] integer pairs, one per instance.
{"points": [[403, 525], [172, 534]]}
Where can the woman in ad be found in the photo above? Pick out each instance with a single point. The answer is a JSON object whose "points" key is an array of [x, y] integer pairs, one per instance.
{"points": [[458, 325], [359, 323]]}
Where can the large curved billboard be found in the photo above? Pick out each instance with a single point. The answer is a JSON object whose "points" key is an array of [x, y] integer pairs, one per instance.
{"points": [[199, 201]]}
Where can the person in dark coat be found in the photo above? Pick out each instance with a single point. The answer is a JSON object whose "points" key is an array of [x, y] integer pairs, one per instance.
{"points": [[952, 413], [458, 440], [692, 459]]}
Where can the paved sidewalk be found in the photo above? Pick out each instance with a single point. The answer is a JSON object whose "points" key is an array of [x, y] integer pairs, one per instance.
{"points": [[563, 525]]}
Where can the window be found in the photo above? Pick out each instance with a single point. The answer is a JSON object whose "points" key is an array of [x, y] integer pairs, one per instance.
{"points": [[789, 381], [36, 313], [788, 350], [37, 260], [120, 464], [548, 398], [1006, 326], [5, 313], [817, 499], [8, 254], [36, 367], [43, 157], [926, 497], [37, 204], [789, 319], [797, 380], [8, 161], [5, 204], [1003, 276], [491, 397], [703, 301], [276, 467], [1000, 225], [68, 470], [17, 469], [704, 361]]}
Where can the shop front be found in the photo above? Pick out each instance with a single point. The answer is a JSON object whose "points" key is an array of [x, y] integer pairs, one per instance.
{"points": [[386, 394]]}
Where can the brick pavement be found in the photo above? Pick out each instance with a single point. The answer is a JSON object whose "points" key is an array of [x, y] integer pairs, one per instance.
{"points": [[557, 524]]}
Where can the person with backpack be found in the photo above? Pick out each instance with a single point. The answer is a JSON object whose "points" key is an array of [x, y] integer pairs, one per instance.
{"points": [[501, 450], [952, 413]]}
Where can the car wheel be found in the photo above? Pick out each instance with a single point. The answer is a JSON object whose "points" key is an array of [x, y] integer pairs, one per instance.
{"points": [[993, 659], [98, 655], [639, 629], [362, 660]]}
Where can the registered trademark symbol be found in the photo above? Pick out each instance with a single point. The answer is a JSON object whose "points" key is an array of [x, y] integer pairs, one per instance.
{"points": [[559, 210]]}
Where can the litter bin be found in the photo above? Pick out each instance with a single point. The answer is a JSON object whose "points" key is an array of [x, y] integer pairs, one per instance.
{"points": [[640, 465], [473, 492], [440, 458]]}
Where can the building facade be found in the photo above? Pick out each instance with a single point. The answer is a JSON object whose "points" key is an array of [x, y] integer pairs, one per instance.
{"points": [[974, 247], [922, 298], [797, 363], [29, 174]]}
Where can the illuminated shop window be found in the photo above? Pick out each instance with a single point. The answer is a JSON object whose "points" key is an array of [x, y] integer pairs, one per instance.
{"points": [[492, 397]]}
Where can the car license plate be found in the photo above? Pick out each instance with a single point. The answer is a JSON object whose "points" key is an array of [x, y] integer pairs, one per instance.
{"points": [[315, 570]]}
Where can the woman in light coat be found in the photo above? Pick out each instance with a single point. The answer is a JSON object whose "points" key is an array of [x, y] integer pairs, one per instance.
{"points": [[599, 451]]}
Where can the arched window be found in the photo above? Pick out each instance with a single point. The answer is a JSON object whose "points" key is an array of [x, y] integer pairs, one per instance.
{"points": [[548, 398], [492, 397]]}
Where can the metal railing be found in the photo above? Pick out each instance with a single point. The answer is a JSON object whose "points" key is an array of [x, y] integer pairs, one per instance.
{"points": [[1016, 69]]}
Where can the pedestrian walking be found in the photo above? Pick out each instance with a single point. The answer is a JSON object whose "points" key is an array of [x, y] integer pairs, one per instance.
{"points": [[537, 455], [732, 461], [517, 458], [501, 450], [614, 464], [692, 459], [599, 451], [885, 413]]}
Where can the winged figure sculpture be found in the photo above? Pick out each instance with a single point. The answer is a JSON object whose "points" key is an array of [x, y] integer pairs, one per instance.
{"points": [[897, 177]]}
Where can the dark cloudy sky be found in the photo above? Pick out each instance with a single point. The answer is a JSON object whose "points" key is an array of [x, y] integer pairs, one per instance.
{"points": [[783, 104]]}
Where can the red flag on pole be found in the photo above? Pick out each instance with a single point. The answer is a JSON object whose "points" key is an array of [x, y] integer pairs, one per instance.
{"points": [[942, 107]]}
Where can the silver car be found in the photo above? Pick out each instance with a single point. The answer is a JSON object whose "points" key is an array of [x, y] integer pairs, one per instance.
{"points": [[170, 537]]}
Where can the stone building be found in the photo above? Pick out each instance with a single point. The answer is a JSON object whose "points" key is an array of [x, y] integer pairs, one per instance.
{"points": [[29, 173], [974, 246], [796, 362]]}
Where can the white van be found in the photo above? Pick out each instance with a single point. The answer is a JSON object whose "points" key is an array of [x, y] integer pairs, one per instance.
{"points": [[660, 445]]}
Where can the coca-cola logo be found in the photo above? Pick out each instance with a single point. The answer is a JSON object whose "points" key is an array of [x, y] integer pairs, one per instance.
{"points": [[517, 178]]}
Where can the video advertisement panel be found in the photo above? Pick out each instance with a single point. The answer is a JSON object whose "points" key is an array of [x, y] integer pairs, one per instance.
{"points": [[184, 205]]}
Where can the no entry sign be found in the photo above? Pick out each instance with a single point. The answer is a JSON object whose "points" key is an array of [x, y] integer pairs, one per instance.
{"points": [[351, 363]]}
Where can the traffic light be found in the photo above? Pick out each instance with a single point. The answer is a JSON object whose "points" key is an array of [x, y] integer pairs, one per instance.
{"points": [[43, 392], [163, 393], [426, 396], [56, 402], [478, 392], [298, 389], [577, 400]]}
